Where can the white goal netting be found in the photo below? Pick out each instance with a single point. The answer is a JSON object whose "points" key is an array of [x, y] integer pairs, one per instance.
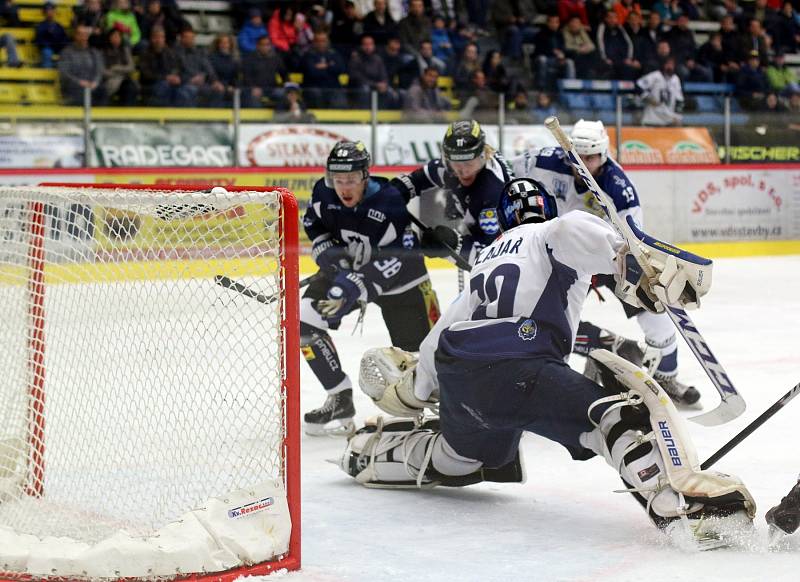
{"points": [[138, 398]]}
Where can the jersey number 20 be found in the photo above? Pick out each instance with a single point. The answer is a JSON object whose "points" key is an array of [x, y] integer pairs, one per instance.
{"points": [[496, 292]]}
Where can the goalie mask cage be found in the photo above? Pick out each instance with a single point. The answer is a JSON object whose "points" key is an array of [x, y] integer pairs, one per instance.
{"points": [[149, 418]]}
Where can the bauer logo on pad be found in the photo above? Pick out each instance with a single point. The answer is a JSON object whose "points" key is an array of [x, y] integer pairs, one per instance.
{"points": [[254, 507]]}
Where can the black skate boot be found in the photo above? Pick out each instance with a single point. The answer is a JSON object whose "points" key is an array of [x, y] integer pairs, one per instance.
{"points": [[682, 395], [786, 515], [334, 417]]}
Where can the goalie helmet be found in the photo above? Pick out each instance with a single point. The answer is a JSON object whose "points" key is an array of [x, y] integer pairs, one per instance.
{"points": [[463, 141], [524, 200], [347, 156], [589, 138]]}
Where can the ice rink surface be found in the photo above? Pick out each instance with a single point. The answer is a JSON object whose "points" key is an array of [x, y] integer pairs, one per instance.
{"points": [[565, 523]]}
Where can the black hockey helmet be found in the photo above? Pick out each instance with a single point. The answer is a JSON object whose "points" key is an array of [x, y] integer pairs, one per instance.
{"points": [[463, 141], [524, 200], [347, 156]]}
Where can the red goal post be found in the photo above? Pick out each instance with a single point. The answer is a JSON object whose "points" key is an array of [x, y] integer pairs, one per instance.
{"points": [[149, 418]]}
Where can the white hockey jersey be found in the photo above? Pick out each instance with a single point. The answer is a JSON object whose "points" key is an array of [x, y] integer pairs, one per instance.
{"points": [[551, 167], [667, 93], [525, 294]]}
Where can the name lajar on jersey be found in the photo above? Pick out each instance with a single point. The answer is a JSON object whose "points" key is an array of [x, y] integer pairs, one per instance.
{"points": [[501, 247]]}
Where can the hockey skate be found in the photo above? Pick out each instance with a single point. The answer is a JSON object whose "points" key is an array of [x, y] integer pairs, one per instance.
{"points": [[334, 417], [784, 518], [684, 396]]}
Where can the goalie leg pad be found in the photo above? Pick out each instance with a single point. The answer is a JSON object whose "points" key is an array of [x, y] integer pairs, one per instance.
{"points": [[651, 449], [403, 454]]}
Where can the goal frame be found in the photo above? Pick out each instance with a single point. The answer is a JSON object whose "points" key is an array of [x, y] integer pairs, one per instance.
{"points": [[288, 226]]}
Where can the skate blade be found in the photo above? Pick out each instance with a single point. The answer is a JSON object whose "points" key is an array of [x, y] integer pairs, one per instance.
{"points": [[334, 428]]}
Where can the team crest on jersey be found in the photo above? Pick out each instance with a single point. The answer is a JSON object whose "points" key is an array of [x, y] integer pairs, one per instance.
{"points": [[527, 330], [560, 189], [488, 222]]}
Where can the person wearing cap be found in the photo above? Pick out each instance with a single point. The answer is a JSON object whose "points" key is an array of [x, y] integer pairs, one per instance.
{"points": [[252, 30], [260, 71], [367, 253], [290, 108], [50, 37], [751, 83]]}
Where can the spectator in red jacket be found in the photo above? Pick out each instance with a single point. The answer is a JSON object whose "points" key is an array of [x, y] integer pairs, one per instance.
{"points": [[282, 31]]}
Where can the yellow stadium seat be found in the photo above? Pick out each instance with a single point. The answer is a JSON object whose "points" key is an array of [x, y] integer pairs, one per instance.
{"points": [[59, 3], [445, 83], [28, 74], [39, 94], [344, 79], [10, 93], [20, 34], [28, 53]]}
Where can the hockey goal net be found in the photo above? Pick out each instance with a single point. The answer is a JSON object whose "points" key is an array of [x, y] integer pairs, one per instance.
{"points": [[148, 415]]}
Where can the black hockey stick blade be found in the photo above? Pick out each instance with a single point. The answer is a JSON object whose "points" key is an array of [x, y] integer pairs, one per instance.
{"points": [[461, 262], [228, 283], [748, 430]]}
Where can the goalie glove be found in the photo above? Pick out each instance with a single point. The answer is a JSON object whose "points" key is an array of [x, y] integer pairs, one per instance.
{"points": [[436, 240], [348, 288]]}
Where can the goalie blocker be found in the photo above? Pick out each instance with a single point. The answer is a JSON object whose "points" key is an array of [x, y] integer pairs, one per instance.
{"points": [[680, 277]]}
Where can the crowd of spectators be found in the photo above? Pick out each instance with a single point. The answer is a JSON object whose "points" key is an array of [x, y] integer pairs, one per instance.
{"points": [[144, 51]]}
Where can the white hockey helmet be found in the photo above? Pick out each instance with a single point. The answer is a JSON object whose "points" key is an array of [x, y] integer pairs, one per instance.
{"points": [[590, 137]]}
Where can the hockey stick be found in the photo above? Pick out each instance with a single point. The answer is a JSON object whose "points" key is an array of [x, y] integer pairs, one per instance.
{"points": [[731, 404], [228, 283], [746, 431], [461, 262]]}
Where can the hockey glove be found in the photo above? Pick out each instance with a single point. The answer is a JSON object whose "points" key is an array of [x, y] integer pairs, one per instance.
{"points": [[348, 288], [435, 241], [331, 257]]}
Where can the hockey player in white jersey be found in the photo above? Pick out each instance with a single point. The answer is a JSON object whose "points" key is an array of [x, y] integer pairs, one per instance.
{"points": [[551, 167], [496, 359]]}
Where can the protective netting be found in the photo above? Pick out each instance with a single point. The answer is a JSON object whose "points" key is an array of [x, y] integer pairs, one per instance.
{"points": [[133, 387]]}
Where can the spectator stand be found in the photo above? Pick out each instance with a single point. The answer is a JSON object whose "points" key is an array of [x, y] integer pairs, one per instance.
{"points": [[597, 99], [705, 104], [208, 18]]}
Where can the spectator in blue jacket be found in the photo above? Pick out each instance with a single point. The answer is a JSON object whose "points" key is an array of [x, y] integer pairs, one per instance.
{"points": [[251, 31], [51, 38]]}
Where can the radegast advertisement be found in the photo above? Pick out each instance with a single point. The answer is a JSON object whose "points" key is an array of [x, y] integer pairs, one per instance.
{"points": [[154, 145]]}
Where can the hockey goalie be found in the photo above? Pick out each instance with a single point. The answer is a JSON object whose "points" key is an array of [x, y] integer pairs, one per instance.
{"points": [[494, 367]]}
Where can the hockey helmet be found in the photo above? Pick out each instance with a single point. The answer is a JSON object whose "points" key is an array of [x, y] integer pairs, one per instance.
{"points": [[347, 156], [524, 200], [589, 138], [463, 141]]}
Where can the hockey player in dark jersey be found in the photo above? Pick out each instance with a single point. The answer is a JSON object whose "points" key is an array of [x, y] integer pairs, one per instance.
{"points": [[474, 174], [362, 242]]}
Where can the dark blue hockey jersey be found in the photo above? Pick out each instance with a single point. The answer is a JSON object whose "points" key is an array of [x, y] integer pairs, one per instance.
{"points": [[375, 236], [478, 201]]}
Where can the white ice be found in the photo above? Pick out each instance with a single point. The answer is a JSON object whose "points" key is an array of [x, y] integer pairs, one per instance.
{"points": [[565, 523]]}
